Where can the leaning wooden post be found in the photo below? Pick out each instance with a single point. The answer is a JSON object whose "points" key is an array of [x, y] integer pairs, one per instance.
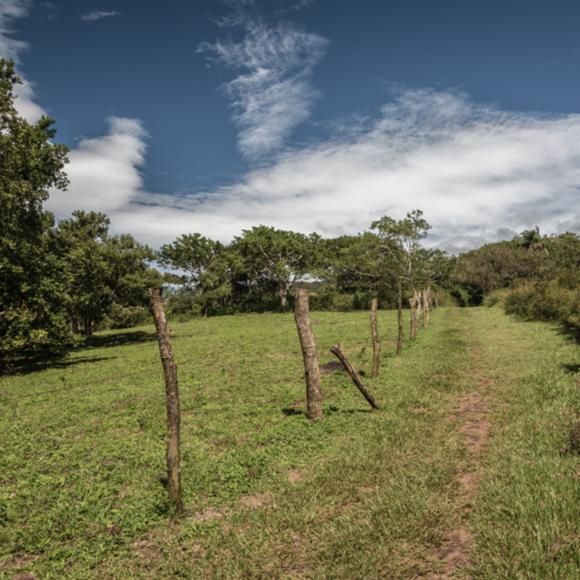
{"points": [[172, 400], [308, 345], [399, 316], [375, 338], [336, 350]]}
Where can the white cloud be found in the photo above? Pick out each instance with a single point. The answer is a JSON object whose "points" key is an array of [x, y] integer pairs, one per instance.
{"points": [[104, 171], [479, 174], [11, 48], [99, 15], [273, 93]]}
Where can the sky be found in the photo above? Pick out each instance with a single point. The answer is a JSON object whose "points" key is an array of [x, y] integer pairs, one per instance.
{"points": [[213, 116]]}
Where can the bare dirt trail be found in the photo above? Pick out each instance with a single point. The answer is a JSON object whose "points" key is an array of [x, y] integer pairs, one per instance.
{"points": [[453, 557]]}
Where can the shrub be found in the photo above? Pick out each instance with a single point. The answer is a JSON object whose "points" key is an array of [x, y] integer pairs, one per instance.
{"points": [[126, 317], [551, 302], [496, 298]]}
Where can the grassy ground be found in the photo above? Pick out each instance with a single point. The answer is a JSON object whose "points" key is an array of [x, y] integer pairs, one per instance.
{"points": [[360, 494]]}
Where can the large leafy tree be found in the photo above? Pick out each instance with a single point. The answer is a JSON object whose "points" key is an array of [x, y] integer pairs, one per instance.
{"points": [[101, 270], [31, 287], [402, 242], [268, 262], [191, 253]]}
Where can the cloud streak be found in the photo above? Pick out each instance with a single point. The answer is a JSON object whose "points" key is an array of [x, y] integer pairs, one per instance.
{"points": [[479, 173], [272, 93], [99, 15]]}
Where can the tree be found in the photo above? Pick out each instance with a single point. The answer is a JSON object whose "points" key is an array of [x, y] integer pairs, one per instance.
{"points": [[101, 270], [31, 287], [268, 262], [401, 240], [192, 253], [532, 241]]}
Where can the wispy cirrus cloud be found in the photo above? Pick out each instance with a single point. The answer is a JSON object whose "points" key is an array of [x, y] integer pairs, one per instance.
{"points": [[12, 48], [272, 93], [99, 15]]}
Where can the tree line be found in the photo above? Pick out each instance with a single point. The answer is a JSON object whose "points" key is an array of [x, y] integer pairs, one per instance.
{"points": [[67, 279]]}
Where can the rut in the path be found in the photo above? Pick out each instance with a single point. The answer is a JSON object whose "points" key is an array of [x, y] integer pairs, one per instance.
{"points": [[454, 555]]}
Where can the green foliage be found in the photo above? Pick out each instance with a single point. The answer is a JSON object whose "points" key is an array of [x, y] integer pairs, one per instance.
{"points": [[492, 267], [551, 302], [496, 298], [102, 270], [120, 316], [266, 263], [401, 241], [191, 253], [31, 288]]}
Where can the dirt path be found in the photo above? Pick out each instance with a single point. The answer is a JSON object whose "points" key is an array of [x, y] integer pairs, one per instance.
{"points": [[453, 556]]}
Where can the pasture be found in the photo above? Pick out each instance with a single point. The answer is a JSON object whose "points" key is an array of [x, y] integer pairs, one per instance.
{"points": [[268, 494]]}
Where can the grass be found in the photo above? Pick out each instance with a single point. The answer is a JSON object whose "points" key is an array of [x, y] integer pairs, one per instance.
{"points": [[360, 494]]}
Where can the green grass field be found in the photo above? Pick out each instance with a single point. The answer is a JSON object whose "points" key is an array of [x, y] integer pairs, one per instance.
{"points": [[360, 494]]}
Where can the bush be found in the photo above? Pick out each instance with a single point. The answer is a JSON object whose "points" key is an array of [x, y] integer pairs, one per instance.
{"points": [[329, 299], [126, 317], [496, 298], [551, 302]]}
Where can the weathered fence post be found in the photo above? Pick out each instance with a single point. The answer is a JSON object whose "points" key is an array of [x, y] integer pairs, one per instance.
{"points": [[308, 345], [336, 350], [399, 316], [426, 305], [413, 322], [419, 308], [375, 338], [172, 400]]}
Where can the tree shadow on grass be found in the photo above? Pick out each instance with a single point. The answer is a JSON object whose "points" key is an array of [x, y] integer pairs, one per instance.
{"points": [[571, 368], [118, 339], [571, 334], [332, 410], [33, 364]]}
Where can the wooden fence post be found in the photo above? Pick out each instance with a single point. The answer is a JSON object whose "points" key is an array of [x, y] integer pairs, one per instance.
{"points": [[336, 350], [172, 400], [413, 321], [308, 345], [399, 316], [375, 338]]}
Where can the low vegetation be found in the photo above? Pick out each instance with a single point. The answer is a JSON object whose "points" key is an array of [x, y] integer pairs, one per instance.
{"points": [[268, 493]]}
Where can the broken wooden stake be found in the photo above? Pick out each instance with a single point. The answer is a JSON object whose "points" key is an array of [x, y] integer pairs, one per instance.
{"points": [[336, 350], [375, 338], [171, 398], [308, 345]]}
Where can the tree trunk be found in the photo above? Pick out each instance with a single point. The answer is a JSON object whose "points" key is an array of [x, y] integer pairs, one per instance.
{"points": [[419, 307], [87, 328], [413, 304], [400, 317], [172, 400], [375, 338], [426, 305], [283, 294], [308, 345], [337, 351]]}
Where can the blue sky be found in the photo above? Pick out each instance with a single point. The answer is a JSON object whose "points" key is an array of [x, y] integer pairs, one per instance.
{"points": [[214, 116]]}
